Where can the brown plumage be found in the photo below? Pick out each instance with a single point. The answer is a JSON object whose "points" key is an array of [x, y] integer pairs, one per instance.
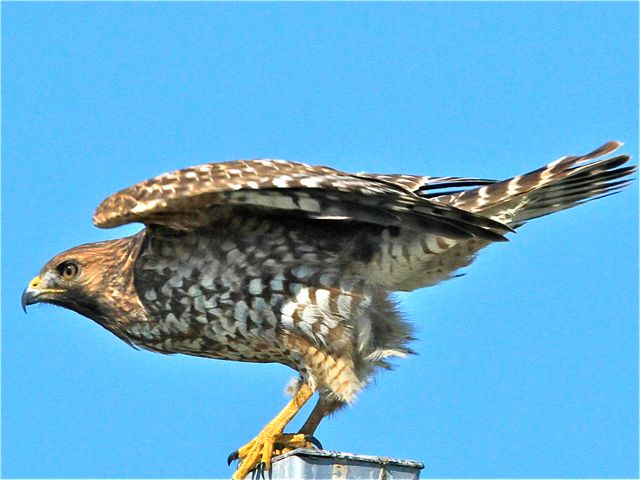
{"points": [[275, 261]]}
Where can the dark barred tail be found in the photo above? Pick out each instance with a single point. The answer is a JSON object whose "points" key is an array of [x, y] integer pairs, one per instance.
{"points": [[562, 184]]}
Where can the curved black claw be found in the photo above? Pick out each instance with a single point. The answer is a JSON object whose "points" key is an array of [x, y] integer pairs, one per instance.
{"points": [[232, 458], [259, 471], [313, 440], [309, 438]]}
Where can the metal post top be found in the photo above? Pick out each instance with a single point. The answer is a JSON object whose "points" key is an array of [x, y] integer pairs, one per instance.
{"points": [[310, 464], [349, 457]]}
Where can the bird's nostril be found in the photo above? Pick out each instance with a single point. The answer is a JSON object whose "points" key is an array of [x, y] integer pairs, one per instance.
{"points": [[35, 283]]}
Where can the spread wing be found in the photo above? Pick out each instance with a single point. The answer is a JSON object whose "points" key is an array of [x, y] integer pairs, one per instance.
{"points": [[199, 195], [561, 184]]}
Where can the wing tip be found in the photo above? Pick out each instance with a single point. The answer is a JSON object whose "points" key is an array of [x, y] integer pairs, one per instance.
{"points": [[106, 213], [607, 148]]}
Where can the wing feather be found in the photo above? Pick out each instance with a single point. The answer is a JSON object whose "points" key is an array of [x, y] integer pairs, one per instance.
{"points": [[198, 195], [561, 184]]}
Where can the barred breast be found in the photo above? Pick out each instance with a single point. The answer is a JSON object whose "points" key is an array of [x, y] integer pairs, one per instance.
{"points": [[233, 291]]}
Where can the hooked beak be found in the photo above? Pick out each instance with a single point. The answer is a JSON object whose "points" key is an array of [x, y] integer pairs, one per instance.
{"points": [[34, 293]]}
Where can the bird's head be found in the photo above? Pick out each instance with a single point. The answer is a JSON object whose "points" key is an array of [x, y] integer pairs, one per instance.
{"points": [[87, 279], [65, 280]]}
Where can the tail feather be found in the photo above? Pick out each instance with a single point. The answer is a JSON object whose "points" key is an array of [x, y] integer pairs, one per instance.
{"points": [[564, 183]]}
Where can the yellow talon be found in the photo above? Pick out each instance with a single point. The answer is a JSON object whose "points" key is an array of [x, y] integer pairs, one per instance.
{"points": [[264, 447], [261, 449]]}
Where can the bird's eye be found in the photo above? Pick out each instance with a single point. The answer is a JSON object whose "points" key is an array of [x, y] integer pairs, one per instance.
{"points": [[68, 270]]}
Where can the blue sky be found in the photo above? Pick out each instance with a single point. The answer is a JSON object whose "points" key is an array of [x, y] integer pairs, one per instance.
{"points": [[528, 365]]}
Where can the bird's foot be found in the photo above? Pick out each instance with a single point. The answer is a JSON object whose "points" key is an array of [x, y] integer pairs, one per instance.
{"points": [[259, 451]]}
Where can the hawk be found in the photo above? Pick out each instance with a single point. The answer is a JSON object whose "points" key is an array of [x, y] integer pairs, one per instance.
{"points": [[277, 261]]}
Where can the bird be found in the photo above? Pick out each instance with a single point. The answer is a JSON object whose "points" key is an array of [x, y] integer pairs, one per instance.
{"points": [[277, 261]]}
